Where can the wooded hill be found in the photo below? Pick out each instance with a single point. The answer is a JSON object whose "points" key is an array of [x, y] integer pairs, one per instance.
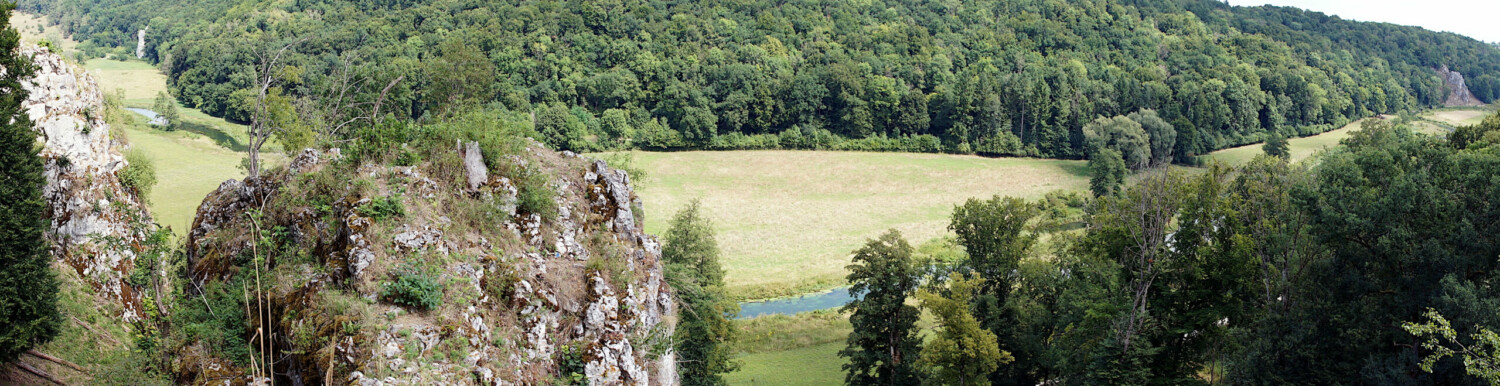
{"points": [[997, 77]]}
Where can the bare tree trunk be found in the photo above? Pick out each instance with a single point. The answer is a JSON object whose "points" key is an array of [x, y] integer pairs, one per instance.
{"points": [[261, 128]]}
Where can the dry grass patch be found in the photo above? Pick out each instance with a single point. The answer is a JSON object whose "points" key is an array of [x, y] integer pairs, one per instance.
{"points": [[787, 220], [1461, 117], [34, 28]]}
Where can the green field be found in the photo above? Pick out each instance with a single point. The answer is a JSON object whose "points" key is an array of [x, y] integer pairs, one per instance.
{"points": [[1301, 148], [797, 349], [188, 167], [813, 365], [787, 220], [139, 80], [1460, 116]]}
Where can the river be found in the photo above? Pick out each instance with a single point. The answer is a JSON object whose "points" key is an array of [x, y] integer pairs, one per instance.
{"points": [[810, 302], [150, 115]]}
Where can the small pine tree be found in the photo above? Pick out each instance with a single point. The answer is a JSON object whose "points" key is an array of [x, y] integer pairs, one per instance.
{"points": [[28, 289], [705, 332], [1276, 146]]}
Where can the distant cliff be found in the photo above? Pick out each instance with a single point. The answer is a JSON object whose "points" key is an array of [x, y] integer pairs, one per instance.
{"points": [[1458, 92]]}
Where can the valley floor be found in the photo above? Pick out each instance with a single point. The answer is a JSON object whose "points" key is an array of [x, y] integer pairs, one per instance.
{"points": [[787, 220]]}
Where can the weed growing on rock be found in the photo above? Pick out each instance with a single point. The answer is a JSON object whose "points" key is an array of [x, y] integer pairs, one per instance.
{"points": [[382, 208], [413, 287]]}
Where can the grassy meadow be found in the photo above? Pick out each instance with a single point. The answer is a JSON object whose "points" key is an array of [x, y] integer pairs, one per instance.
{"points": [[1460, 116], [787, 220], [1301, 148], [139, 81], [188, 167], [35, 28], [797, 349]]}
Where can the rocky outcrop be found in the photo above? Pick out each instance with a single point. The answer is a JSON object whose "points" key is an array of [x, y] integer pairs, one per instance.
{"points": [[97, 224], [1458, 92], [527, 298], [140, 43]]}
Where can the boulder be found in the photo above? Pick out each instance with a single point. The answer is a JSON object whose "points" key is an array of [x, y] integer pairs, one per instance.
{"points": [[474, 166]]}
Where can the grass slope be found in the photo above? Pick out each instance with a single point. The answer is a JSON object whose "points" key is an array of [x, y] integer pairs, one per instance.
{"points": [[1301, 148], [787, 220], [34, 28], [90, 337]]}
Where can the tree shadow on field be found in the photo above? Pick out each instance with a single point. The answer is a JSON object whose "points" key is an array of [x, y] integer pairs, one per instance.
{"points": [[218, 136], [1079, 169]]}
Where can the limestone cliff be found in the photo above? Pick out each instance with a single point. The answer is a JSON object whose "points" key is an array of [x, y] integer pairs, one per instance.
{"points": [[97, 224], [1458, 91], [574, 295]]}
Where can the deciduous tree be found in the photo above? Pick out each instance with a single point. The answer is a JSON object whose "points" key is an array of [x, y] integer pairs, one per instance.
{"points": [[883, 347]]}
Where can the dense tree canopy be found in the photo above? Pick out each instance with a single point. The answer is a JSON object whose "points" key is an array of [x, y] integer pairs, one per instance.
{"points": [[1374, 263], [994, 77], [884, 346]]}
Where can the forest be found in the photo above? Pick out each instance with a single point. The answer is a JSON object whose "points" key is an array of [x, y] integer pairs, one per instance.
{"points": [[1373, 266], [1373, 263], [987, 77]]}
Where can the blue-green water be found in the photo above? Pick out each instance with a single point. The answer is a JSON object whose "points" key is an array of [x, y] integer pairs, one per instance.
{"points": [[810, 302]]}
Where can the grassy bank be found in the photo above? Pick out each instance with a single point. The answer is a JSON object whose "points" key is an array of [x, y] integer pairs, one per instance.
{"points": [[787, 220], [799, 349]]}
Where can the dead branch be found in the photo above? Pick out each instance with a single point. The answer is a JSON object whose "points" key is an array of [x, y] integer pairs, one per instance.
{"points": [[96, 332], [57, 360], [39, 373]]}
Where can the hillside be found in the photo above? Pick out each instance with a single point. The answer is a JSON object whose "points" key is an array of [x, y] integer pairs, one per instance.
{"points": [[469, 254], [993, 77]]}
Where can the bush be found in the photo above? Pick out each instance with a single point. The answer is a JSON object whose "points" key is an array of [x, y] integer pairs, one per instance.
{"points": [[413, 287], [382, 208], [139, 175], [534, 195]]}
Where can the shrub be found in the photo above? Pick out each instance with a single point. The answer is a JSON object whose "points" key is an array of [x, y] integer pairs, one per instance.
{"points": [[413, 287], [571, 365], [534, 195], [408, 158], [382, 208], [139, 175]]}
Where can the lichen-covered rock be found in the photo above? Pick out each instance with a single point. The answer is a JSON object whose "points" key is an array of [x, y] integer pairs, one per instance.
{"points": [[525, 298], [97, 224]]}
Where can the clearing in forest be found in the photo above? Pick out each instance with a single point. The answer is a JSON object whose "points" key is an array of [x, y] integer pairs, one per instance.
{"points": [[1463, 117], [1301, 148], [787, 220]]}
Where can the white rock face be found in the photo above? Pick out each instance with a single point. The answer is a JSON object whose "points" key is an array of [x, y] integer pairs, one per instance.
{"points": [[96, 223], [1458, 92], [140, 43]]}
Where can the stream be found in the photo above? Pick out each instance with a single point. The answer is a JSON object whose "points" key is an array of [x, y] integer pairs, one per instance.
{"points": [[810, 302], [150, 115]]}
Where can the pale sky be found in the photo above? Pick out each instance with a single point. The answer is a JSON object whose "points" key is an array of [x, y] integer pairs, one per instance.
{"points": [[1479, 19]]}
